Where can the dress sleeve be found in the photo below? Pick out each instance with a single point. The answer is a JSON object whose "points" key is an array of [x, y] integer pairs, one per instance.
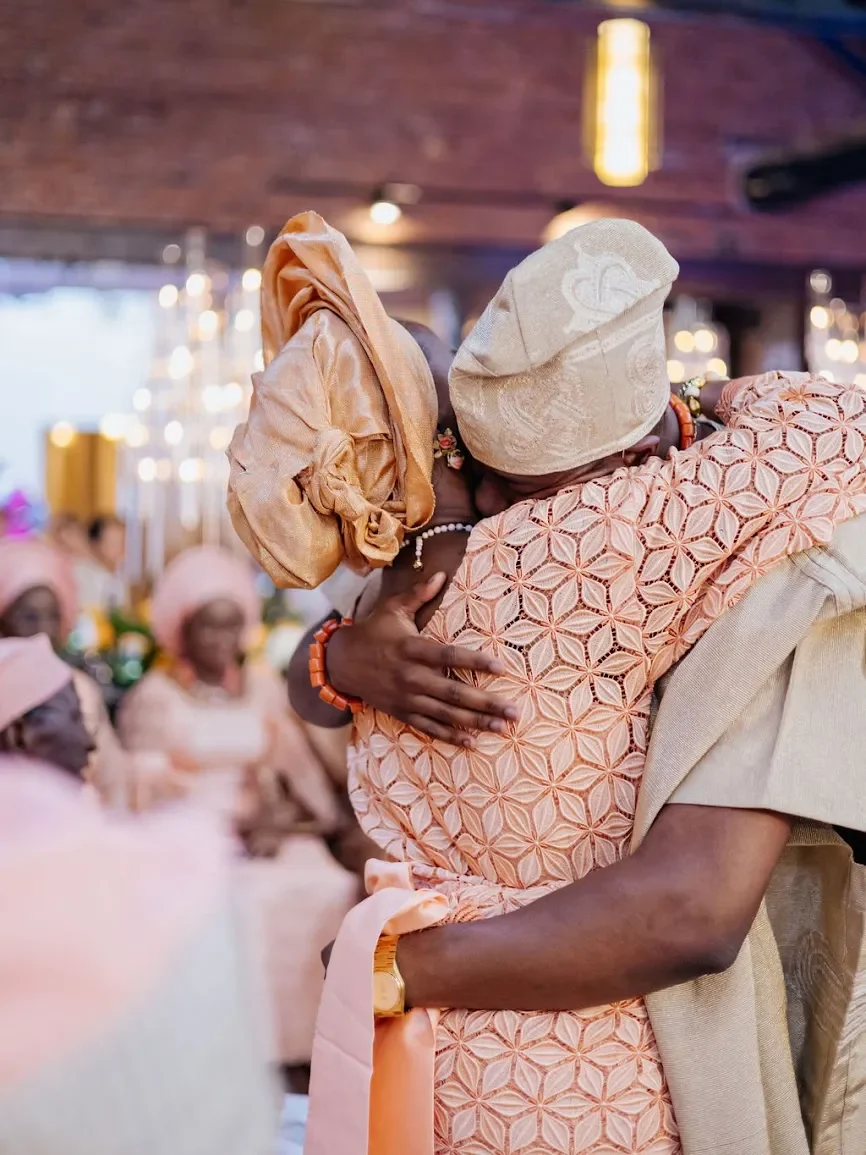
{"points": [[109, 771], [774, 756], [772, 483], [142, 730], [140, 723], [738, 394]]}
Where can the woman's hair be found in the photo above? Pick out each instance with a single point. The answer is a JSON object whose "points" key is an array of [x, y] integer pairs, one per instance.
{"points": [[98, 526], [11, 736]]}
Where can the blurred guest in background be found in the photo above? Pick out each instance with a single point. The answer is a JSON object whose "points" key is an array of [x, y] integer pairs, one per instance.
{"points": [[40, 715], [219, 732], [100, 583], [37, 596], [67, 533], [142, 1035]]}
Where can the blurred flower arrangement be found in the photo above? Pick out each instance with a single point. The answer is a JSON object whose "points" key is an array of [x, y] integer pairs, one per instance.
{"points": [[116, 649], [281, 628], [20, 515]]}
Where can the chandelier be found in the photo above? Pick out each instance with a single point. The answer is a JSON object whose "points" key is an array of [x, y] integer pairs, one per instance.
{"points": [[697, 346], [835, 334], [174, 470]]}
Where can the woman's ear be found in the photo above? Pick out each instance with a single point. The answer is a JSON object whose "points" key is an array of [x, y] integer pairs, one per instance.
{"points": [[637, 454], [13, 740]]}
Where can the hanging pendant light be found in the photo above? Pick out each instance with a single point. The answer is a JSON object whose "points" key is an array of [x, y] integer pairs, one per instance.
{"points": [[622, 130]]}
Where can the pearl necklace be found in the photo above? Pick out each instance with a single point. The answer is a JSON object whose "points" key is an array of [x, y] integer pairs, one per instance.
{"points": [[419, 539]]}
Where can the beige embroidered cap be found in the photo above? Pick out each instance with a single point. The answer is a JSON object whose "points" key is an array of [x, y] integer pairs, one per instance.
{"points": [[568, 363]]}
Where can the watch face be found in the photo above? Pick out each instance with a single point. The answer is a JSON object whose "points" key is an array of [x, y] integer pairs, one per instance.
{"points": [[386, 992]]}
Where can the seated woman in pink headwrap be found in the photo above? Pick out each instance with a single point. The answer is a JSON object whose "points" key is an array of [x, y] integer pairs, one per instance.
{"points": [[37, 596], [219, 732], [40, 713]]}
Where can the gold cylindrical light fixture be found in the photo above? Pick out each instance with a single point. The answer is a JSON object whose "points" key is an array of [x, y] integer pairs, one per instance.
{"points": [[80, 472], [622, 121]]}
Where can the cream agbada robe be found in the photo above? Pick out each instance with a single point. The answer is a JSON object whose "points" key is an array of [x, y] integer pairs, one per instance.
{"points": [[768, 710]]}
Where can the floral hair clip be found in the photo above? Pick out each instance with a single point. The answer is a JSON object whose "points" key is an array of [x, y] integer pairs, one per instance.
{"points": [[445, 444]]}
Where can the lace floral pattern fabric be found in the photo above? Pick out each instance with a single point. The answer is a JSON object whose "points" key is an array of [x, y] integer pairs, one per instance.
{"points": [[588, 598]]}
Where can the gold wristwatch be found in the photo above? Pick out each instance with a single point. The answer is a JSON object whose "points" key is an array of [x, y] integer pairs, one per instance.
{"points": [[389, 990]]}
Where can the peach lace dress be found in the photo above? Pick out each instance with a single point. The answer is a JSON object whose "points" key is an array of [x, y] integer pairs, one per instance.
{"points": [[589, 597]]}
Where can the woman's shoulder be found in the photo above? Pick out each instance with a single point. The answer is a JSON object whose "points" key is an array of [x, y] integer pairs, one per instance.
{"points": [[144, 714], [155, 687], [525, 520], [265, 686]]}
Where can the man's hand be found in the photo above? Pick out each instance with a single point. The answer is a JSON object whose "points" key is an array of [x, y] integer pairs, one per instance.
{"points": [[385, 661]]}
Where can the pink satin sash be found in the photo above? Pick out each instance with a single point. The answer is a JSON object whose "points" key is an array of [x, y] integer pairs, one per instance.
{"points": [[371, 1091]]}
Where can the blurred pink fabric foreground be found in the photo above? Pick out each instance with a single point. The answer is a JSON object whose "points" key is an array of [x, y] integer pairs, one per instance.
{"points": [[129, 1018]]}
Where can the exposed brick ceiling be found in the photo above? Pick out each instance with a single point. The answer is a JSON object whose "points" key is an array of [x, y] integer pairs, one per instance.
{"points": [[159, 112]]}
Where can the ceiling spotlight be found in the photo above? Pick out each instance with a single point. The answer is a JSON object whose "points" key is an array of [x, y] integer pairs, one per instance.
{"points": [[569, 215], [387, 201], [385, 212]]}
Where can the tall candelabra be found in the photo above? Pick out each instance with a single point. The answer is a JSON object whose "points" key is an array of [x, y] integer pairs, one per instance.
{"points": [[173, 479]]}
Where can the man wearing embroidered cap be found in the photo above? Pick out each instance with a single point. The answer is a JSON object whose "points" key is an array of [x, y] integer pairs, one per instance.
{"points": [[588, 588]]}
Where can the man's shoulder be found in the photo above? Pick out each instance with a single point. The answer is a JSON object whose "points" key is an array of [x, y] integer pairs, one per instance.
{"points": [[839, 567], [849, 544]]}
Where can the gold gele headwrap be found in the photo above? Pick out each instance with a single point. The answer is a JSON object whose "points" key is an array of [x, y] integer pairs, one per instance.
{"points": [[335, 460], [567, 364]]}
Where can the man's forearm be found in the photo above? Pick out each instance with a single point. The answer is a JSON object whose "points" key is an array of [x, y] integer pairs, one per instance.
{"points": [[304, 697], [612, 936], [677, 909]]}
